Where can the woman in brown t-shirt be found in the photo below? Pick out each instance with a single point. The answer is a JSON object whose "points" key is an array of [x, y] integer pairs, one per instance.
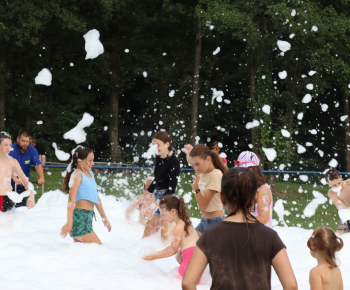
{"points": [[240, 250]]}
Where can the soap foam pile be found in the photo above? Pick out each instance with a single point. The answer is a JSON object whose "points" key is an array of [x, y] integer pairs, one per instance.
{"points": [[34, 256]]}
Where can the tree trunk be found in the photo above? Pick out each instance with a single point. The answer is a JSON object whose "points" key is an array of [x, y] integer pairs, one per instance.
{"points": [[114, 107], [161, 92], [2, 91], [252, 76], [29, 97], [347, 128], [195, 84]]}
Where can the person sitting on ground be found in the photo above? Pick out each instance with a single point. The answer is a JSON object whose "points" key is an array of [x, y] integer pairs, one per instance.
{"points": [[339, 193], [141, 202]]}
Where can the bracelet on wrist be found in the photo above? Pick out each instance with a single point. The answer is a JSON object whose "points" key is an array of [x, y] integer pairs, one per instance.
{"points": [[197, 191]]}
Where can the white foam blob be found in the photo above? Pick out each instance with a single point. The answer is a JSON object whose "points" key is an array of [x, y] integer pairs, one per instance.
{"points": [[44, 77], [307, 99], [270, 153], [300, 116], [144, 74], [310, 86], [319, 199], [285, 133], [314, 28], [60, 154], [266, 109], [293, 12], [77, 134], [301, 149], [217, 95], [303, 178], [216, 51], [343, 118], [282, 75], [333, 163], [172, 93], [93, 45], [17, 198], [324, 107], [283, 45], [312, 72], [39, 122], [145, 251], [152, 150], [253, 124]]}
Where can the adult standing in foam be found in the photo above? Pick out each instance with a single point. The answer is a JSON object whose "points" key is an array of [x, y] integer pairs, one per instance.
{"points": [[206, 184], [166, 173], [240, 250], [83, 197], [264, 206], [26, 155]]}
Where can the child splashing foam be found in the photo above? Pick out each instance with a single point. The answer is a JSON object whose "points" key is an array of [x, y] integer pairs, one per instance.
{"points": [[8, 166], [82, 190], [173, 209], [323, 244]]}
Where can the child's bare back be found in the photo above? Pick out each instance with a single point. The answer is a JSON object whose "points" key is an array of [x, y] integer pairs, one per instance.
{"points": [[190, 240], [330, 279]]}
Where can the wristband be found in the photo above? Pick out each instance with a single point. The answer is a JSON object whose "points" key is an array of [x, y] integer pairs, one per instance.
{"points": [[197, 191]]}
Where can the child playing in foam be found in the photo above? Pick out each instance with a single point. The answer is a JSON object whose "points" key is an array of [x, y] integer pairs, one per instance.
{"points": [[339, 193], [141, 202], [8, 166], [326, 275], [83, 198], [173, 209]]}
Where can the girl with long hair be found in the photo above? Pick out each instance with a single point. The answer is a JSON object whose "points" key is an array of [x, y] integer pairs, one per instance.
{"points": [[240, 250], [80, 183], [206, 184], [173, 209], [166, 174], [264, 206]]}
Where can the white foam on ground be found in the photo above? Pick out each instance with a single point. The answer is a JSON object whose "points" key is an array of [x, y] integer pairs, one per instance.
{"points": [[34, 256]]}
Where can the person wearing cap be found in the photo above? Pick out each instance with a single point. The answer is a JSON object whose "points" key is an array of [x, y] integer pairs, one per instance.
{"points": [[264, 205]]}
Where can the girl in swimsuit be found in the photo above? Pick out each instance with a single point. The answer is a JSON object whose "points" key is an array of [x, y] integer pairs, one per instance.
{"points": [[173, 209], [83, 197]]}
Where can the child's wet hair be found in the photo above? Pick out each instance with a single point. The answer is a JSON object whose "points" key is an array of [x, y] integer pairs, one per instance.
{"points": [[326, 242], [4, 135], [332, 174], [170, 202], [79, 154], [203, 152], [238, 189]]}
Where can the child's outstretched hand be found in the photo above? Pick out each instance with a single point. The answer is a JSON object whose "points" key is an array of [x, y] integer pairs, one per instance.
{"points": [[31, 201], [148, 258], [107, 224], [66, 229]]}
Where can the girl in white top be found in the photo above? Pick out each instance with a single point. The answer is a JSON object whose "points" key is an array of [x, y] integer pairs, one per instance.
{"points": [[206, 184]]}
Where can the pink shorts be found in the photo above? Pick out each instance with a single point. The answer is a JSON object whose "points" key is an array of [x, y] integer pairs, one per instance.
{"points": [[186, 257]]}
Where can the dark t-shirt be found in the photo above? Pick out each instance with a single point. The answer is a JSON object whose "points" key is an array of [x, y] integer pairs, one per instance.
{"points": [[166, 172], [239, 261], [40, 149]]}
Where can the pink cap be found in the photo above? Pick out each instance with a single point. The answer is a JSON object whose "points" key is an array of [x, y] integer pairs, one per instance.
{"points": [[247, 159]]}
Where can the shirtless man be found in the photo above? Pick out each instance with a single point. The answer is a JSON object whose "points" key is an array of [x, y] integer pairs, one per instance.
{"points": [[8, 166], [339, 193]]}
